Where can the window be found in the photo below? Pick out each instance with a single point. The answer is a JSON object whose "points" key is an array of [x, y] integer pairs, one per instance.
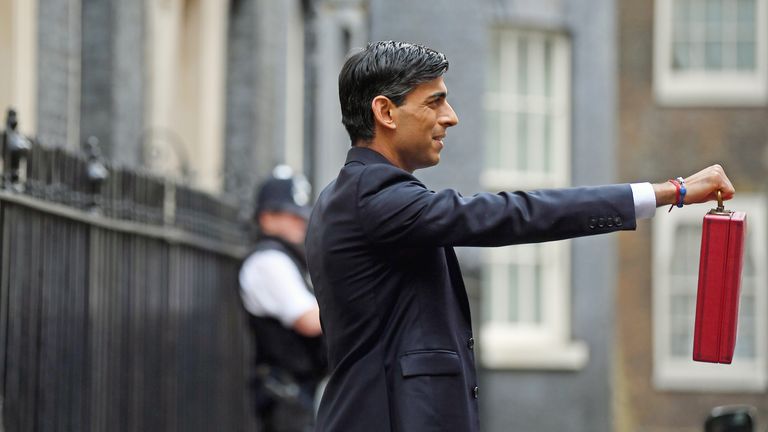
{"points": [[527, 110], [526, 287], [711, 52], [676, 248]]}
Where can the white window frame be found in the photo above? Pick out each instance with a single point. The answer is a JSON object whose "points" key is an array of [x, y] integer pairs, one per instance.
{"points": [[673, 373], [507, 345], [525, 346], [701, 88], [495, 179]]}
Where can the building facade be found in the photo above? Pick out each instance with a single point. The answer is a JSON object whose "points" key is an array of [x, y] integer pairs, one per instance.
{"points": [[693, 79], [211, 93], [584, 335]]}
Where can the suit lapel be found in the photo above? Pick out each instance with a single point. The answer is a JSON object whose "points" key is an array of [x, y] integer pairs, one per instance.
{"points": [[458, 282]]}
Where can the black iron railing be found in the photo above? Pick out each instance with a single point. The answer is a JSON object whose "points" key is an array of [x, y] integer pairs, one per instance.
{"points": [[118, 299]]}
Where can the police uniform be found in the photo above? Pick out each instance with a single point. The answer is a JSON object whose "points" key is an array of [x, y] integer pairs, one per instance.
{"points": [[275, 289]]}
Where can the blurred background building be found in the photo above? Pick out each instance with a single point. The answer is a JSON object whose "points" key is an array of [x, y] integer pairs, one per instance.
{"points": [[692, 92], [588, 335]]}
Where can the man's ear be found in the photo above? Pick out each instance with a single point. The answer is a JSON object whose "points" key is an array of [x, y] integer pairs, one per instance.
{"points": [[382, 108]]}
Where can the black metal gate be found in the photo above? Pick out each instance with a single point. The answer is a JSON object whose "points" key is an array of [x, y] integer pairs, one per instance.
{"points": [[119, 308]]}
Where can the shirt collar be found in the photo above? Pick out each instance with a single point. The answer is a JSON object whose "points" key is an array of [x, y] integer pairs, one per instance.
{"points": [[365, 156]]}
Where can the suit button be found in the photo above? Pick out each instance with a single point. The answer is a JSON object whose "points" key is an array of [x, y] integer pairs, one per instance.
{"points": [[601, 222], [617, 220], [471, 343], [474, 392], [609, 222], [592, 222]]}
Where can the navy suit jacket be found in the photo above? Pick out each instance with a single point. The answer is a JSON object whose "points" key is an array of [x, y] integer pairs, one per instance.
{"points": [[393, 305]]}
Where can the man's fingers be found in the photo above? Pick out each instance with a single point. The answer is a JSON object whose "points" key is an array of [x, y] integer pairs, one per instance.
{"points": [[705, 184], [722, 183]]}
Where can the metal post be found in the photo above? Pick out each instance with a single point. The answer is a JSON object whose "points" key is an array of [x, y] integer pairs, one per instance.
{"points": [[96, 173]]}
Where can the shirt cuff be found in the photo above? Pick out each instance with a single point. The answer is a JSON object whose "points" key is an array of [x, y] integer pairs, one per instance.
{"points": [[645, 200]]}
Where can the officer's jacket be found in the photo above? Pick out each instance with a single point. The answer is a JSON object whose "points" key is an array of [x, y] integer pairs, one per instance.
{"points": [[282, 349], [392, 301]]}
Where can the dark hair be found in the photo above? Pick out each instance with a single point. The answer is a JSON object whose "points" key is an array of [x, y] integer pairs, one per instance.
{"points": [[386, 68]]}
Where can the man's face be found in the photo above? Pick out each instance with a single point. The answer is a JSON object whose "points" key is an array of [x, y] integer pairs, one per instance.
{"points": [[421, 123], [286, 225]]}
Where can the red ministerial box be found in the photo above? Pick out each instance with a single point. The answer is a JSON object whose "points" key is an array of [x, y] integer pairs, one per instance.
{"points": [[717, 300]]}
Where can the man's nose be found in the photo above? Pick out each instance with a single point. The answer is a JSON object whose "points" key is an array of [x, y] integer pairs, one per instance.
{"points": [[448, 116]]}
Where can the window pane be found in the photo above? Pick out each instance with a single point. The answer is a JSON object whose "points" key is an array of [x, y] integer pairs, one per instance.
{"points": [[514, 293], [681, 11], [680, 33], [522, 66], [495, 64], [714, 59], [714, 32], [681, 56], [682, 310], [686, 251], [548, 53], [748, 266], [746, 32], [746, 11], [745, 333], [698, 11], [745, 56], [522, 142], [487, 298], [696, 53], [714, 22], [548, 144], [714, 13], [537, 289], [493, 153]]}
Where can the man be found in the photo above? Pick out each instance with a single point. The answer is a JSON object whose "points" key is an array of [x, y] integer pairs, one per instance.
{"points": [[380, 248], [284, 314]]}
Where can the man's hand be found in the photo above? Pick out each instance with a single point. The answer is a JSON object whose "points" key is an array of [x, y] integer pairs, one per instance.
{"points": [[701, 187]]}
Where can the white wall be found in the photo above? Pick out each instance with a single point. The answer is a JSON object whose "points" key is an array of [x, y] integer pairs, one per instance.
{"points": [[18, 54]]}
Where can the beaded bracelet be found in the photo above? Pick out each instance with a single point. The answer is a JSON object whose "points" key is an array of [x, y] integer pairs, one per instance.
{"points": [[683, 190]]}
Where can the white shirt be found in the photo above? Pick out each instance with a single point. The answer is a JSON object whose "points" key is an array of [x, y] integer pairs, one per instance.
{"points": [[272, 286], [645, 200]]}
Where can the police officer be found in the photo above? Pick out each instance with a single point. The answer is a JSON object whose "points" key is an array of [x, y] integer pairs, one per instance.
{"points": [[283, 312]]}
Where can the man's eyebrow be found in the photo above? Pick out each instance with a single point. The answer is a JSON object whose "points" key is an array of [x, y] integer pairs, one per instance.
{"points": [[437, 95]]}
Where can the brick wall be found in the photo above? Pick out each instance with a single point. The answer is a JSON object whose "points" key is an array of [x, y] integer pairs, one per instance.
{"points": [[657, 143]]}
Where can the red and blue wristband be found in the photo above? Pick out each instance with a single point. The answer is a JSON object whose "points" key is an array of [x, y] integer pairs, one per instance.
{"points": [[680, 191]]}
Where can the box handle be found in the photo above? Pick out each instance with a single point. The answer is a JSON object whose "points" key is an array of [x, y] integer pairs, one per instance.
{"points": [[720, 210]]}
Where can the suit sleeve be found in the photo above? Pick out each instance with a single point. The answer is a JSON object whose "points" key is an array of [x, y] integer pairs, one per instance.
{"points": [[395, 207]]}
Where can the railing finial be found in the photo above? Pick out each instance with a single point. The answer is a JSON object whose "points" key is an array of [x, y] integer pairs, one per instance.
{"points": [[15, 150]]}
